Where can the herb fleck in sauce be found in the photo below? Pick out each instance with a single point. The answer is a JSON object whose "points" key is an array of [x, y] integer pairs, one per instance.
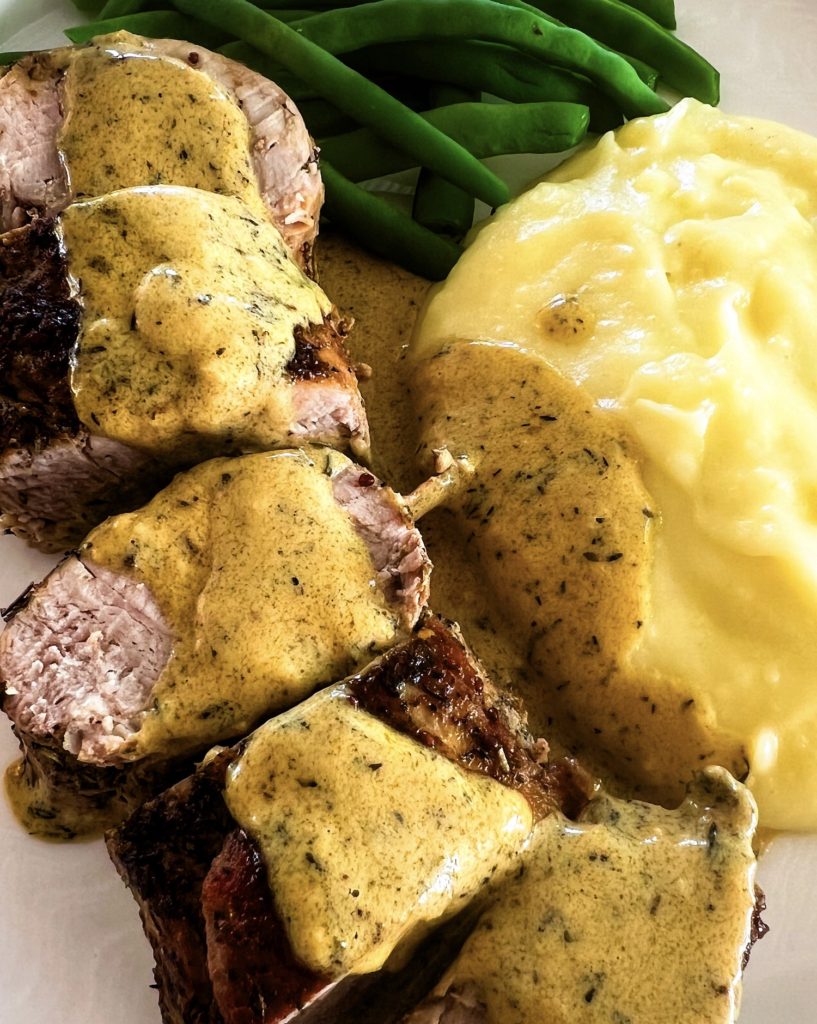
{"points": [[635, 914]]}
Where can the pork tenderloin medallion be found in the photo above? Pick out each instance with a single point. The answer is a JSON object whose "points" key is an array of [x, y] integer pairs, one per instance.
{"points": [[125, 111], [633, 912], [281, 878], [145, 331], [235, 592]]}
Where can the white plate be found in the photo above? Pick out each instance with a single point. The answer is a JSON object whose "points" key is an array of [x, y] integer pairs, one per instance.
{"points": [[71, 947]]}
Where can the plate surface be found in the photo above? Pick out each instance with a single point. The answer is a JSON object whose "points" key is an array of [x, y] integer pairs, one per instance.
{"points": [[71, 946]]}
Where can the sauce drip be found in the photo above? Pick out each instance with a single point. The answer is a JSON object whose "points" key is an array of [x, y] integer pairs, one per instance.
{"points": [[669, 271]]}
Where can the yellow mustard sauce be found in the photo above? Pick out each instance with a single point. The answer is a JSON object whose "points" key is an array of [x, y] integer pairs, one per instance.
{"points": [[633, 915], [558, 521], [541, 539], [190, 306], [265, 584], [135, 118], [42, 811], [368, 836]]}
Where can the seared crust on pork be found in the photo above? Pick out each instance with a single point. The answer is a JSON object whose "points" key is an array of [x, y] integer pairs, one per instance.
{"points": [[249, 959], [56, 480], [433, 689], [163, 853], [39, 322]]}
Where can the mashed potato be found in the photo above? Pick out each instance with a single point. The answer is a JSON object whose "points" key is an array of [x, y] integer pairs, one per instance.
{"points": [[671, 271]]}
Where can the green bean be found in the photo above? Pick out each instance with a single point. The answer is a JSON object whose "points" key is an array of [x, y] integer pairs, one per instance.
{"points": [[322, 118], [662, 11], [90, 7], [438, 205], [382, 228], [648, 75], [494, 69], [644, 71], [155, 24], [409, 91], [441, 207], [290, 14], [624, 28], [352, 93], [342, 31], [12, 56], [120, 8], [486, 129]]}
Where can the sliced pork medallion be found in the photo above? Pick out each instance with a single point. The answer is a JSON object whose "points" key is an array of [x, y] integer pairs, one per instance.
{"points": [[124, 111], [345, 829], [147, 330], [236, 591], [633, 913]]}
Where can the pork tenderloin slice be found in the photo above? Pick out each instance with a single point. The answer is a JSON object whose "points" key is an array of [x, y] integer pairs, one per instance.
{"points": [[51, 495], [58, 478], [433, 688], [284, 155], [602, 911], [80, 657], [396, 546], [90, 645], [33, 178], [327, 405], [163, 853], [210, 918], [216, 934]]}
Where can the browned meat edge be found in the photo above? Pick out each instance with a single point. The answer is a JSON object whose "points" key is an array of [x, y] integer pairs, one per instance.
{"points": [[103, 796], [758, 927], [250, 962], [39, 323], [433, 689], [163, 853]]}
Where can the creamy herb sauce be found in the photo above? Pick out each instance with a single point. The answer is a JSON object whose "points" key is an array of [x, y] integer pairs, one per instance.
{"points": [[367, 835], [190, 306], [264, 583], [147, 119], [561, 526], [635, 915]]}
